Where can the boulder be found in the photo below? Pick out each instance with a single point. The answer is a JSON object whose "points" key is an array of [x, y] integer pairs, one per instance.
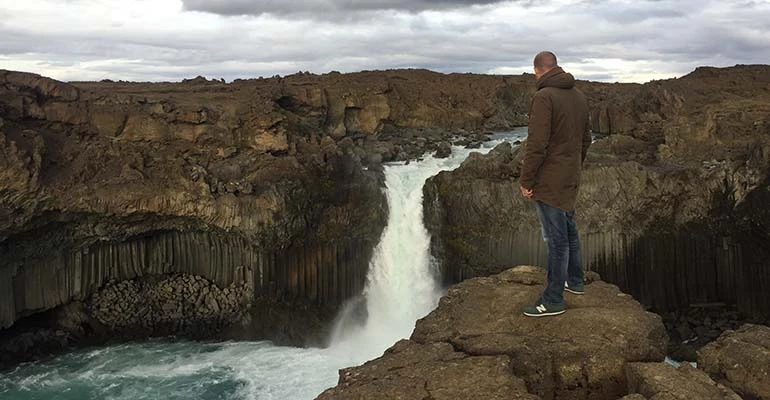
{"points": [[580, 354], [444, 150], [741, 360], [181, 304], [410, 370], [661, 381], [40, 86], [691, 328]]}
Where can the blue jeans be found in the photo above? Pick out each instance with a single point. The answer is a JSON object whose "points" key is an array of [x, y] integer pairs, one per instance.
{"points": [[564, 263]]}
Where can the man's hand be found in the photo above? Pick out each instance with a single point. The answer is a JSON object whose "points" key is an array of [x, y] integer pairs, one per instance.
{"points": [[527, 193]]}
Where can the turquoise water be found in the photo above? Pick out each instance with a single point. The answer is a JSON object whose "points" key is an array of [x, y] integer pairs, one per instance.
{"points": [[180, 370], [400, 286]]}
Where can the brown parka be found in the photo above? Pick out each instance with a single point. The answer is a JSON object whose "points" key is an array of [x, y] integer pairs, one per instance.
{"points": [[558, 139]]}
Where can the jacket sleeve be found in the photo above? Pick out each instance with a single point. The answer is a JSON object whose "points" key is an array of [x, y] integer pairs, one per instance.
{"points": [[586, 139], [537, 140]]}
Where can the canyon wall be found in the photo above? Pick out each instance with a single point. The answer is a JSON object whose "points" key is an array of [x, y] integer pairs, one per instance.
{"points": [[272, 183]]}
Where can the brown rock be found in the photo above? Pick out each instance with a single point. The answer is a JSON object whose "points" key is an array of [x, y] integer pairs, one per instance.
{"points": [[191, 133], [662, 381], [108, 121], [579, 354], [142, 127], [741, 360], [444, 150], [47, 88], [117, 162], [191, 116], [409, 370], [634, 396], [356, 113], [68, 113]]}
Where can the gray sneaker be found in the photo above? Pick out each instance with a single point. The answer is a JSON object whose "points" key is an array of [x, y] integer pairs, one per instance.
{"points": [[543, 310], [575, 289]]}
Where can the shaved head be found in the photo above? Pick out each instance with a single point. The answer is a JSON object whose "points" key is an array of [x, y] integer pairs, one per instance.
{"points": [[545, 60]]}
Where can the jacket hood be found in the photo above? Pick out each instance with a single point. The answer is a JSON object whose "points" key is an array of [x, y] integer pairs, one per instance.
{"points": [[556, 78]]}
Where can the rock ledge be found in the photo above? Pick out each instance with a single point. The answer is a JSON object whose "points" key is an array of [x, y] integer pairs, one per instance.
{"points": [[581, 354], [740, 359]]}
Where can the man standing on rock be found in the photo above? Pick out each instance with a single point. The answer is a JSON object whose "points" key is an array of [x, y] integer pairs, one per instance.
{"points": [[559, 136]]}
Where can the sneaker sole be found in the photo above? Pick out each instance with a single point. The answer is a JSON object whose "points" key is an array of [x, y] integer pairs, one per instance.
{"points": [[545, 314], [573, 291]]}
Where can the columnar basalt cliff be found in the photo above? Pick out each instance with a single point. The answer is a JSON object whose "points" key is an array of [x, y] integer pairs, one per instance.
{"points": [[259, 184], [673, 202]]}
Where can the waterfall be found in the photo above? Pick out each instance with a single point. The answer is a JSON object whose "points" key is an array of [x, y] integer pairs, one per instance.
{"points": [[402, 284]]}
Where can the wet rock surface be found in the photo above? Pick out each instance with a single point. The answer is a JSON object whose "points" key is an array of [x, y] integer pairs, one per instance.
{"points": [[580, 354], [444, 150], [740, 359], [692, 328]]}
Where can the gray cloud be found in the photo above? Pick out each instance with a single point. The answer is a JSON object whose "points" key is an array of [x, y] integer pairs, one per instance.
{"points": [[323, 7], [596, 40]]}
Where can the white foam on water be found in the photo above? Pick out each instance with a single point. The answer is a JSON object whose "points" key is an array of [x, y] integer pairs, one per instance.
{"points": [[402, 286]]}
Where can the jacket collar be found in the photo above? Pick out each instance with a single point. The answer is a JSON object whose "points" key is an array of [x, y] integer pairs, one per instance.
{"points": [[556, 77]]}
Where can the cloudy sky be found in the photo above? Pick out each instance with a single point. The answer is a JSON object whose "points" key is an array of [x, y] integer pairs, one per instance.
{"points": [[160, 40]]}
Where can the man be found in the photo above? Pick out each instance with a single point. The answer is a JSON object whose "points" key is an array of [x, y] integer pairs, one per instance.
{"points": [[559, 136]]}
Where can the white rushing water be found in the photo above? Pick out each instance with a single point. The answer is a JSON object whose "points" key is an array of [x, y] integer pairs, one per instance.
{"points": [[402, 287]]}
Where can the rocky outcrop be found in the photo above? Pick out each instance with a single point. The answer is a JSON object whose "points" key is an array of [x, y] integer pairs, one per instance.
{"points": [[478, 327], [662, 381], [444, 150], [741, 360], [180, 304], [368, 102], [669, 208], [119, 181], [397, 114], [410, 370], [691, 328]]}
